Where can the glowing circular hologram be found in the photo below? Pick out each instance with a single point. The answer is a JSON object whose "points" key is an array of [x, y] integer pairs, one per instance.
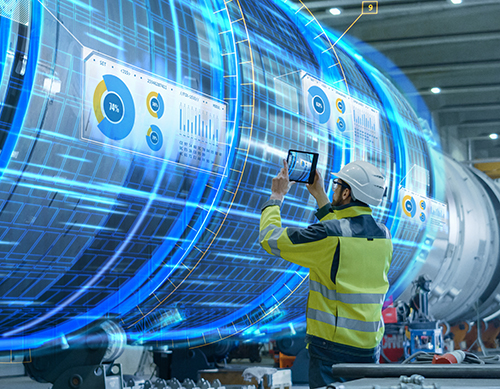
{"points": [[154, 138], [318, 103], [340, 105], [116, 114], [409, 206], [155, 104], [341, 124]]}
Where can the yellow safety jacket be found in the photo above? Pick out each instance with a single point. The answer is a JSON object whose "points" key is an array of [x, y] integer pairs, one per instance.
{"points": [[349, 255]]}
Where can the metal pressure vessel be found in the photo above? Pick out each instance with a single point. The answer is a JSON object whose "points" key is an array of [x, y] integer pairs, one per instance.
{"points": [[139, 140]]}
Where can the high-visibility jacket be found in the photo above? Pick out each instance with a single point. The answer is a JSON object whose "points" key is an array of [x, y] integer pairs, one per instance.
{"points": [[348, 255]]}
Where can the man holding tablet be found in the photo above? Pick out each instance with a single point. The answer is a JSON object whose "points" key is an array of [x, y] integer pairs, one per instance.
{"points": [[348, 255]]}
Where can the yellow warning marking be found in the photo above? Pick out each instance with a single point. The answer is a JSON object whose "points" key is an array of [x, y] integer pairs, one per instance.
{"points": [[300, 9]]}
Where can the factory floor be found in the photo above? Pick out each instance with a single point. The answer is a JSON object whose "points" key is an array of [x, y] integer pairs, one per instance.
{"points": [[22, 382]]}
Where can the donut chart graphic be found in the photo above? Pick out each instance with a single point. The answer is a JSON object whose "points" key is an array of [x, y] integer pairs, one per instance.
{"points": [[319, 104], [340, 105], [154, 138], [114, 108], [155, 105], [409, 206], [422, 217], [340, 124], [423, 205]]}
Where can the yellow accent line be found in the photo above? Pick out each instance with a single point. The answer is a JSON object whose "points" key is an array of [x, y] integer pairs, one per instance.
{"points": [[244, 63], [171, 283], [99, 91], [209, 230], [231, 76], [335, 64], [336, 82], [260, 306], [220, 336], [234, 170], [199, 251], [239, 20], [317, 36], [347, 29], [249, 319], [140, 310], [299, 9], [234, 326], [247, 83], [225, 190], [218, 210], [192, 228], [204, 340], [244, 40], [179, 247], [156, 297], [239, 148], [189, 344]]}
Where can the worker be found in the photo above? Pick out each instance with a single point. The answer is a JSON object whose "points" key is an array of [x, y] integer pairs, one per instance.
{"points": [[348, 255]]}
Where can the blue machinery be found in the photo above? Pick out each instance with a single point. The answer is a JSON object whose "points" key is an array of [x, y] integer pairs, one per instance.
{"points": [[139, 140]]}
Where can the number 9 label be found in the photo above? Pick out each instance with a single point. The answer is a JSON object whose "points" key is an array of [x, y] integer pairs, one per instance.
{"points": [[369, 8]]}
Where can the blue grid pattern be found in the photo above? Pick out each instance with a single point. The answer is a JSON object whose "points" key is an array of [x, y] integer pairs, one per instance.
{"points": [[170, 252]]}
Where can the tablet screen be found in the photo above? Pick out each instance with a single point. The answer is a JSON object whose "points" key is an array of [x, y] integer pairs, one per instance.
{"points": [[302, 166]]}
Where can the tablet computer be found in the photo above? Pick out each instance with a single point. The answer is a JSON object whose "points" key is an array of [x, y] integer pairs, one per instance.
{"points": [[302, 166]]}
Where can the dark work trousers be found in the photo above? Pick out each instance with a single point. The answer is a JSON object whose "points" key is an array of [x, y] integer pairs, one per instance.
{"points": [[322, 359]]}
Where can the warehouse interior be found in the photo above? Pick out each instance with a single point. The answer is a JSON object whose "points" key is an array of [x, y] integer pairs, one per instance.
{"points": [[153, 275]]}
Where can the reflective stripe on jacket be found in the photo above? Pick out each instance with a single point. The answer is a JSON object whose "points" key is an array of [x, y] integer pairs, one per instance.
{"points": [[349, 255]]}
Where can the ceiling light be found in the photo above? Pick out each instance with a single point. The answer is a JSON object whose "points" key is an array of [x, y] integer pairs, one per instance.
{"points": [[436, 90], [335, 11], [494, 136], [456, 1]]}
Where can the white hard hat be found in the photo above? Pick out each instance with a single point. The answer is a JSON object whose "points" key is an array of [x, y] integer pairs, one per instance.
{"points": [[366, 182]]}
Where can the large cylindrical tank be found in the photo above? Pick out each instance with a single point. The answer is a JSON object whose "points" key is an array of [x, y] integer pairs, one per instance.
{"points": [[139, 140]]}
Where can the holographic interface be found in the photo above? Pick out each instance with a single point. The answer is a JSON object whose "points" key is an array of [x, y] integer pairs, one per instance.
{"points": [[139, 140]]}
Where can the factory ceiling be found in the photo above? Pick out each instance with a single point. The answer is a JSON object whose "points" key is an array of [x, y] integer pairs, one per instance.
{"points": [[454, 47]]}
